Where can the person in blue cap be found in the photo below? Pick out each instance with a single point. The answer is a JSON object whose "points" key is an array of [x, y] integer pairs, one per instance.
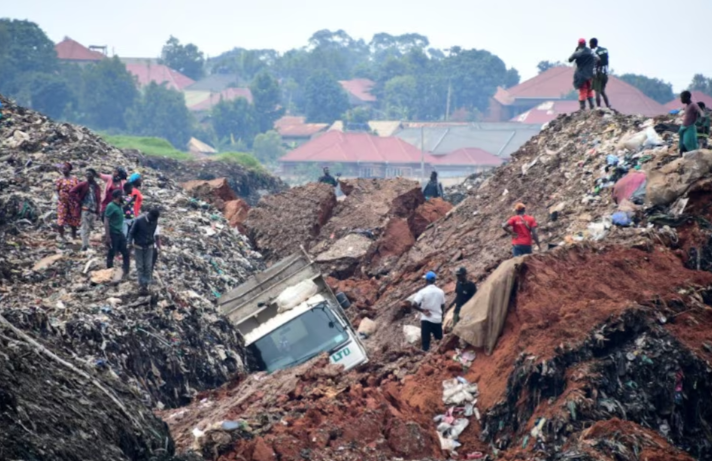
{"points": [[430, 302]]}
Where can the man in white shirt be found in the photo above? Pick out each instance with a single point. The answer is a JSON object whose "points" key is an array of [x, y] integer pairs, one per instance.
{"points": [[430, 302]]}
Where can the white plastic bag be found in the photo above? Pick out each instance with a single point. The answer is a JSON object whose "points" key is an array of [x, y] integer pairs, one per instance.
{"points": [[652, 138], [412, 334], [295, 295]]}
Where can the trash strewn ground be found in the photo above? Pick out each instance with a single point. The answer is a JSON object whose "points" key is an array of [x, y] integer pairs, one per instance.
{"points": [[166, 347]]}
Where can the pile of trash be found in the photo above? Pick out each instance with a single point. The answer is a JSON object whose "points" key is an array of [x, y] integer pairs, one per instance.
{"points": [[250, 185], [167, 346], [218, 193], [461, 397], [459, 192]]}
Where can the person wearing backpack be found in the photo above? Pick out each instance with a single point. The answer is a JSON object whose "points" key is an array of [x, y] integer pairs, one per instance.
{"points": [[522, 228], [600, 78]]}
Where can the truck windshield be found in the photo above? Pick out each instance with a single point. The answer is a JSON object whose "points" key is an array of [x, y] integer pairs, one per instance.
{"points": [[298, 340]]}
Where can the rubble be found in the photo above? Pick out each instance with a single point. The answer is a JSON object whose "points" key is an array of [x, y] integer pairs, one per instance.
{"points": [[218, 193], [249, 185], [166, 347]]}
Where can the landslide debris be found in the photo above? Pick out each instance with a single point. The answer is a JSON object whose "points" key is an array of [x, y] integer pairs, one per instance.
{"points": [[166, 347], [250, 185], [218, 193]]}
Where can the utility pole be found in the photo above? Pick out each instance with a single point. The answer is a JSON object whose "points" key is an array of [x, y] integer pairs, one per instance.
{"points": [[447, 104]]}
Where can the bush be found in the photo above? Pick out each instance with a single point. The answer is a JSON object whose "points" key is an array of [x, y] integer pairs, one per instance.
{"points": [[157, 147], [241, 158]]}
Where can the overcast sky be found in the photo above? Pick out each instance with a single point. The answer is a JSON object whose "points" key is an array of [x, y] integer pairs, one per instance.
{"points": [[651, 37]]}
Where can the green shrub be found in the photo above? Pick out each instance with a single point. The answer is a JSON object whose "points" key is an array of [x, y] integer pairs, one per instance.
{"points": [[241, 158], [158, 147]]}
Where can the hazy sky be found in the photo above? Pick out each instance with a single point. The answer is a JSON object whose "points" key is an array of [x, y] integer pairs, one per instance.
{"points": [[652, 37]]}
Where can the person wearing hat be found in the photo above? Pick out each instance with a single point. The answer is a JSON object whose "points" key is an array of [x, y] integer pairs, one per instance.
{"points": [[430, 302], [464, 291], [585, 60], [68, 210], [522, 227], [136, 184]]}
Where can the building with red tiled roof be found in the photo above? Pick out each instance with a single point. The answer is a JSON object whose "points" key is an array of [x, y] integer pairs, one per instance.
{"points": [[73, 51], [546, 112], [359, 91], [368, 156], [697, 96], [295, 131], [146, 73], [199, 101], [556, 84]]}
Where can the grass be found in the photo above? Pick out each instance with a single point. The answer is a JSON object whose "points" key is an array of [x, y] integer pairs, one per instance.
{"points": [[241, 158], [157, 147]]}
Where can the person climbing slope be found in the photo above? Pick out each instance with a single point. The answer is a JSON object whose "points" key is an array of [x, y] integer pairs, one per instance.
{"points": [[68, 209], [114, 181], [522, 227], [464, 291]]}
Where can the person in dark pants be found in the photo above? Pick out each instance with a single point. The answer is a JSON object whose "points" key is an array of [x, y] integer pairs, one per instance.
{"points": [[522, 227], [113, 232], [583, 76], [142, 240], [600, 78], [430, 302], [464, 291], [433, 188]]}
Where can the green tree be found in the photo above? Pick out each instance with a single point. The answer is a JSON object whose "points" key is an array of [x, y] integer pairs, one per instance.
{"points": [[108, 91], [161, 112], [401, 95], [267, 147], [701, 83], [24, 47], [266, 98], [325, 100], [186, 59], [50, 94], [475, 76], [653, 88], [235, 120]]}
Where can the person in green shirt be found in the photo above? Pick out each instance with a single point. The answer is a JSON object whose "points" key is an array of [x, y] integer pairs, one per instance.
{"points": [[113, 232]]}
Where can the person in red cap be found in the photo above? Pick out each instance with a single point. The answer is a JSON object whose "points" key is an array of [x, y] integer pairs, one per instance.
{"points": [[522, 227], [585, 60]]}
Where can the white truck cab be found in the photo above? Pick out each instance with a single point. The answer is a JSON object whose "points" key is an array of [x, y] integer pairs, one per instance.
{"points": [[288, 315]]}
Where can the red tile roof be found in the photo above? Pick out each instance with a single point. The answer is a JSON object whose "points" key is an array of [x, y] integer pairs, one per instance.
{"points": [[147, 73], [227, 95], [557, 82], [335, 146], [70, 50], [359, 88], [696, 96], [547, 111], [467, 156], [295, 127]]}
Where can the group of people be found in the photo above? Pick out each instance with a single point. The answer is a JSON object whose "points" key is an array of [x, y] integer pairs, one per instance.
{"points": [[118, 206], [591, 73], [695, 129]]}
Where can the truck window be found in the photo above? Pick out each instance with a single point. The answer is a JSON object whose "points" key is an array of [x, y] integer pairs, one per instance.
{"points": [[298, 340]]}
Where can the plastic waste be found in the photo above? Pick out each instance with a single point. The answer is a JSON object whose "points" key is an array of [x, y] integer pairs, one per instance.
{"points": [[622, 218], [295, 295], [412, 334], [652, 138]]}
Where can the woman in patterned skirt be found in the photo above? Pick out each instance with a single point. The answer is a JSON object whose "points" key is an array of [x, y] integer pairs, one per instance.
{"points": [[68, 209]]}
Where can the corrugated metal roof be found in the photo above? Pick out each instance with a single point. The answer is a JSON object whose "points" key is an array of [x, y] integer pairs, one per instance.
{"points": [[71, 50], [290, 126], [381, 128], [697, 96], [467, 156], [335, 146], [359, 88], [547, 111]]}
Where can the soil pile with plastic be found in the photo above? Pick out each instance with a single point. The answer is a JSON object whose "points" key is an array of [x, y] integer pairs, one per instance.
{"points": [[166, 347], [248, 184]]}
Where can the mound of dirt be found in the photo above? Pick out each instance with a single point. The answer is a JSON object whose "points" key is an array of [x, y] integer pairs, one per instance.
{"points": [[167, 347], [218, 193]]}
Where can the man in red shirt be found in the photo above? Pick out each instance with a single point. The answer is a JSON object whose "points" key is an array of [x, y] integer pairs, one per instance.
{"points": [[522, 227]]}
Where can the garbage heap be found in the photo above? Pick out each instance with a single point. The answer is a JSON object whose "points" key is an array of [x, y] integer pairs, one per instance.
{"points": [[249, 185], [218, 193], [166, 347]]}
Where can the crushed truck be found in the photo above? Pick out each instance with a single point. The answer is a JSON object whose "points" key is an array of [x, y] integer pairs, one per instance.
{"points": [[287, 315]]}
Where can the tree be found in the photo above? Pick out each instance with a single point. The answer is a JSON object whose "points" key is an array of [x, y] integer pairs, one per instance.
{"points": [[543, 66], [653, 88], [325, 100], [108, 91], [266, 98], [50, 94], [186, 59], [267, 147], [475, 76], [161, 112], [400, 95], [511, 78], [235, 120], [701, 83]]}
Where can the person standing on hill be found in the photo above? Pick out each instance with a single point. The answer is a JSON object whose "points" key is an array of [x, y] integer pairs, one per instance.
{"points": [[703, 126], [114, 181], [136, 184], [327, 178], [114, 235], [143, 238], [430, 302], [433, 188], [88, 195], [688, 130], [68, 211], [464, 291], [583, 77], [522, 227], [600, 78]]}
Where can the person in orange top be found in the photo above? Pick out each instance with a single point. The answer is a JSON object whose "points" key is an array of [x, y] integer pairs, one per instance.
{"points": [[135, 181], [522, 227]]}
